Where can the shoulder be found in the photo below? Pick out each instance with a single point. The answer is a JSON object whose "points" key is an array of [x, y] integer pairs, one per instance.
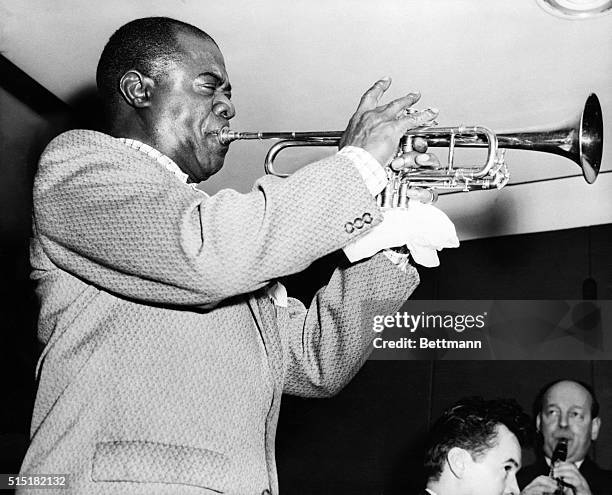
{"points": [[89, 157], [74, 141], [528, 473], [91, 166], [596, 476], [82, 146]]}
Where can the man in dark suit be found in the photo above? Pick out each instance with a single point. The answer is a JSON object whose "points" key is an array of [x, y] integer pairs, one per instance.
{"points": [[475, 448], [569, 410]]}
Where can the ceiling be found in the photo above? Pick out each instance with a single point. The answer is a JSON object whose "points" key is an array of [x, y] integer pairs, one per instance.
{"points": [[302, 65]]}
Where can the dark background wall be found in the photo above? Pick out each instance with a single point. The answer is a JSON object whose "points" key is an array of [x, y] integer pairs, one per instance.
{"points": [[367, 439], [24, 132]]}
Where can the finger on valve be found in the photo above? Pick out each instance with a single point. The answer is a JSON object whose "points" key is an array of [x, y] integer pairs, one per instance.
{"points": [[419, 144], [414, 159]]}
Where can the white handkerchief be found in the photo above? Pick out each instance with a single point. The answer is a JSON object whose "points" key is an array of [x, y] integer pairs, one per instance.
{"points": [[423, 228], [278, 293]]}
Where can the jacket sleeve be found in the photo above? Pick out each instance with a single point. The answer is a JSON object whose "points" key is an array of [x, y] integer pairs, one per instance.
{"points": [[112, 216], [329, 342]]}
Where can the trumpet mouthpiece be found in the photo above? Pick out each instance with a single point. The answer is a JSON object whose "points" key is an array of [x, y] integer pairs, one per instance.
{"points": [[225, 135]]}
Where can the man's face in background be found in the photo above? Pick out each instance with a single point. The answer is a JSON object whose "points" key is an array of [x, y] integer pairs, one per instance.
{"points": [[494, 471], [566, 413]]}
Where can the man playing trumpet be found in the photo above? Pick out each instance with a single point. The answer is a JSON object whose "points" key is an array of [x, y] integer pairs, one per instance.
{"points": [[168, 342]]}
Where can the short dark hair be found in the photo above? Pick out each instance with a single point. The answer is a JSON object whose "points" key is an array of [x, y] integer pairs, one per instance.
{"points": [[472, 424], [148, 45], [539, 401]]}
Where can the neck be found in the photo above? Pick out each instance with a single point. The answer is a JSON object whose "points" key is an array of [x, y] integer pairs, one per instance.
{"points": [[444, 486], [131, 128], [133, 125]]}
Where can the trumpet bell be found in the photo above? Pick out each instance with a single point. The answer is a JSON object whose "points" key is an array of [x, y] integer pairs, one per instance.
{"points": [[581, 140], [590, 141]]}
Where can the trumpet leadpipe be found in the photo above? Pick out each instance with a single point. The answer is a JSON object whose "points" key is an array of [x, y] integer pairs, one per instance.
{"points": [[227, 135]]}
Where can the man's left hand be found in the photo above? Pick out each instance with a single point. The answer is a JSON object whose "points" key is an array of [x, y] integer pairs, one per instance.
{"points": [[568, 472]]}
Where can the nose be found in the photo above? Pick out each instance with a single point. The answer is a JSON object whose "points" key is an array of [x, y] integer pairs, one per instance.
{"points": [[563, 420], [512, 486], [224, 108]]}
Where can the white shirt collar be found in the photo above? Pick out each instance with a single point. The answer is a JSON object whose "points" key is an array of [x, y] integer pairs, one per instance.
{"points": [[577, 463], [162, 159]]}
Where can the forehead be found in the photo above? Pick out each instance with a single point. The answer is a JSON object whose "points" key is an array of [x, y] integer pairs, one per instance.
{"points": [[200, 52], [506, 447], [567, 394]]}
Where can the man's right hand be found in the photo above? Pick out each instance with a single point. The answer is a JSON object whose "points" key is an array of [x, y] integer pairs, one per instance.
{"points": [[542, 485], [378, 129]]}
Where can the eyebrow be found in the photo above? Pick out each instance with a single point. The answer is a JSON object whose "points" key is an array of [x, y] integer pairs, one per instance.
{"points": [[219, 78], [513, 461], [573, 406]]}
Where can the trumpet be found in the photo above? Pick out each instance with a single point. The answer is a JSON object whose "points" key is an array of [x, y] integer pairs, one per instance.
{"points": [[580, 141]]}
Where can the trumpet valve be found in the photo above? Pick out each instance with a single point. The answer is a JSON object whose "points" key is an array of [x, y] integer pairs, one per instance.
{"points": [[403, 195], [405, 145], [386, 197]]}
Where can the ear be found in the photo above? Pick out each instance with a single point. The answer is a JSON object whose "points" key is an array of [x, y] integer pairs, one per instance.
{"points": [[538, 420], [457, 460], [136, 89], [595, 425]]}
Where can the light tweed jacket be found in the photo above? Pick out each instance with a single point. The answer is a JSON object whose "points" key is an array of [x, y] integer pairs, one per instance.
{"points": [[165, 359]]}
